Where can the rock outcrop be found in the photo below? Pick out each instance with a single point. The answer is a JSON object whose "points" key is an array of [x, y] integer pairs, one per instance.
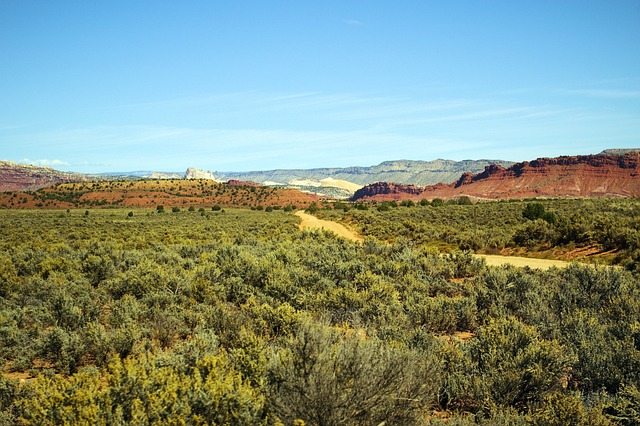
{"points": [[605, 174], [192, 173], [386, 191]]}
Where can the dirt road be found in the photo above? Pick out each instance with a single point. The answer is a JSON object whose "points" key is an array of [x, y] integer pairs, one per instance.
{"points": [[494, 260], [312, 222]]}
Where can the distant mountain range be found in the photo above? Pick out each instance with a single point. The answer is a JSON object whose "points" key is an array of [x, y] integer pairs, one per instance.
{"points": [[402, 171], [332, 182], [342, 182], [613, 172]]}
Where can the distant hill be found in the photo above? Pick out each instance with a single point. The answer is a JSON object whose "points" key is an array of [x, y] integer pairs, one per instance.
{"points": [[342, 182], [180, 193], [620, 151], [414, 172], [25, 177], [145, 174], [604, 174]]}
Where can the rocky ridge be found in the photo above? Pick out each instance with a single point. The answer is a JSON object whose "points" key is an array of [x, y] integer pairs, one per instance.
{"points": [[605, 174], [386, 189], [25, 177], [414, 172]]}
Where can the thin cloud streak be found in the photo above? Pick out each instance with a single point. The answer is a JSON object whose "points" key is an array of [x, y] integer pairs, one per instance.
{"points": [[309, 128], [333, 105], [606, 93], [44, 162], [190, 101], [352, 22], [224, 148]]}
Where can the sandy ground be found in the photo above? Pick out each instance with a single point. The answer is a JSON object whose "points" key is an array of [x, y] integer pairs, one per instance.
{"points": [[494, 260], [313, 222]]}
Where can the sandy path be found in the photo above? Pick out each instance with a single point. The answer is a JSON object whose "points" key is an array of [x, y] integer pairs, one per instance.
{"points": [[494, 260], [312, 222]]}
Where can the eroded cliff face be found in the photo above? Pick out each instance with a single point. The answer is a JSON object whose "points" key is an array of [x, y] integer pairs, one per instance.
{"points": [[386, 191], [581, 176], [192, 173], [24, 177]]}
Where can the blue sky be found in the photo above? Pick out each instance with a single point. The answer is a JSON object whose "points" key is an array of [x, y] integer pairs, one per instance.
{"points": [[252, 85]]}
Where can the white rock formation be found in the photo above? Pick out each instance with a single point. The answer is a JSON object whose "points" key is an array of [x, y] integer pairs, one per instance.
{"points": [[192, 173]]}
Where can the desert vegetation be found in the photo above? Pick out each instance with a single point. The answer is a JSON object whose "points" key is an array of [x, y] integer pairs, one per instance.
{"points": [[235, 316], [605, 230]]}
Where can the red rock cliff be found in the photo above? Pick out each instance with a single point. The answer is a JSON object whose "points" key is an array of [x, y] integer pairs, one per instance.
{"points": [[582, 176], [385, 190]]}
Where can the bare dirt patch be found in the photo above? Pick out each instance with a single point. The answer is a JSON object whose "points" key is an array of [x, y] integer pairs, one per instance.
{"points": [[495, 260], [312, 222], [459, 337]]}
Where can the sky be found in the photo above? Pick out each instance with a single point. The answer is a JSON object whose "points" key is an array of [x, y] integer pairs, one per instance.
{"points": [[116, 86]]}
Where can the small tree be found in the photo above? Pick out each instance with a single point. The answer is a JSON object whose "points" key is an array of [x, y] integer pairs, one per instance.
{"points": [[338, 205], [463, 200], [533, 211]]}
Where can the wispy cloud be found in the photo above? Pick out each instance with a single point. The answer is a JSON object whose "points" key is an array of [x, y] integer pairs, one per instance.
{"points": [[11, 127], [44, 162], [352, 22], [259, 130], [191, 101], [135, 147], [606, 93]]}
